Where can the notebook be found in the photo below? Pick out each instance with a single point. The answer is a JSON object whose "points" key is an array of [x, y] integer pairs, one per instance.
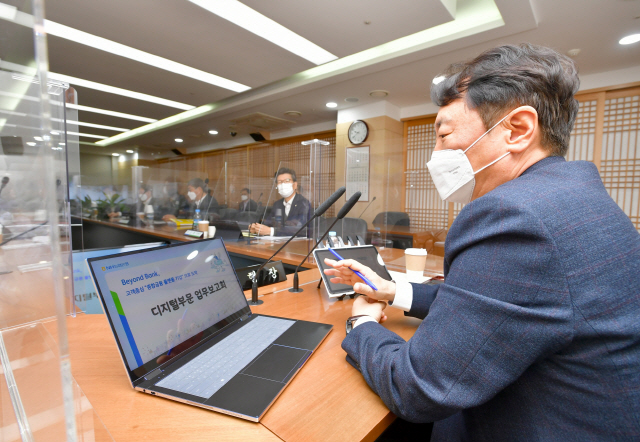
{"points": [[185, 331]]}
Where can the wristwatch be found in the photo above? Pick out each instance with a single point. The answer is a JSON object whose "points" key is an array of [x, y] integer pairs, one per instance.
{"points": [[351, 321]]}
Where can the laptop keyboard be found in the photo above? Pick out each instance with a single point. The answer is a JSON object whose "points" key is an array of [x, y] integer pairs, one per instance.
{"points": [[210, 371]]}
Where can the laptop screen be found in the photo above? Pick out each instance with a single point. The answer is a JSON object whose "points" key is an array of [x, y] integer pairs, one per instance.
{"points": [[163, 301]]}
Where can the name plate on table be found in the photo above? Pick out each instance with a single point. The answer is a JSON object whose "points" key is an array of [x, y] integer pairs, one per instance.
{"points": [[194, 233], [270, 274]]}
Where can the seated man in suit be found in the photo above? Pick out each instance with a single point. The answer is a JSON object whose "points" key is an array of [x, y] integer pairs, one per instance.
{"points": [[144, 204], [247, 204], [289, 213], [198, 198], [535, 333]]}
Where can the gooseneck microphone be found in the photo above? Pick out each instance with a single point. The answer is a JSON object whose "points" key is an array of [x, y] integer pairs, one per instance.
{"points": [[365, 209], [318, 212], [341, 214]]}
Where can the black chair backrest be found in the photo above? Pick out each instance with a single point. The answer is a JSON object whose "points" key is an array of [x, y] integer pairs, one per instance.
{"points": [[391, 219]]}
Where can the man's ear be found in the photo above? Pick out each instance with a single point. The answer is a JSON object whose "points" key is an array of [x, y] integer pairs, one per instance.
{"points": [[522, 128]]}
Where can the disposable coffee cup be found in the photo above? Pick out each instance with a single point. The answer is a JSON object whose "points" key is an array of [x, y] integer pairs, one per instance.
{"points": [[203, 226], [212, 231], [415, 260]]}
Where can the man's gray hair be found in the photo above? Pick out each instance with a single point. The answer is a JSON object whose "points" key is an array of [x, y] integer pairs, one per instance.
{"points": [[503, 78]]}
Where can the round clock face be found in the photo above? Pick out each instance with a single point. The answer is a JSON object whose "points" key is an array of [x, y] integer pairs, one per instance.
{"points": [[358, 132]]}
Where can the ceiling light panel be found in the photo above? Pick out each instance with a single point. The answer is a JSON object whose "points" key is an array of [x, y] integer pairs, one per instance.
{"points": [[112, 47], [119, 91], [108, 112], [251, 20], [87, 135]]}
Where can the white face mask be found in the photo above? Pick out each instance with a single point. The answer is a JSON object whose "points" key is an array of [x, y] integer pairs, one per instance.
{"points": [[452, 173], [191, 195], [285, 189], [244, 197], [144, 197]]}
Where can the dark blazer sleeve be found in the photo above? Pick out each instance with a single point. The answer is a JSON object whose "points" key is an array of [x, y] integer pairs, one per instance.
{"points": [[298, 215], [253, 206], [505, 303], [423, 297]]}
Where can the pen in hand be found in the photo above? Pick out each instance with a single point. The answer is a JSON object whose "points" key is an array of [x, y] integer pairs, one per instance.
{"points": [[369, 283]]}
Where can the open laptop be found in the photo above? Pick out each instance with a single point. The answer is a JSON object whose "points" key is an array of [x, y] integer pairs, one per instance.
{"points": [[185, 331], [227, 230]]}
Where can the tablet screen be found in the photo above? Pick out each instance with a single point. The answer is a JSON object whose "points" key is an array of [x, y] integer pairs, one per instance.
{"points": [[367, 255]]}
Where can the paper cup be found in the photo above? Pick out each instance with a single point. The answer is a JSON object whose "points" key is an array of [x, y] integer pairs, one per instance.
{"points": [[415, 260], [203, 226], [212, 231]]}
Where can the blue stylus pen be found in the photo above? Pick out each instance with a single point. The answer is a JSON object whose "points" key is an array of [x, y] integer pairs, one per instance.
{"points": [[369, 283]]}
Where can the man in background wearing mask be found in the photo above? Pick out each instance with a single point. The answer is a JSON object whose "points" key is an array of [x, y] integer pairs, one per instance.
{"points": [[145, 197], [171, 202], [289, 213], [246, 203], [535, 332], [199, 198]]}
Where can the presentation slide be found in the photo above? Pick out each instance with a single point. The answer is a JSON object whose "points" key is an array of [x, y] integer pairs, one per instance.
{"points": [[164, 297]]}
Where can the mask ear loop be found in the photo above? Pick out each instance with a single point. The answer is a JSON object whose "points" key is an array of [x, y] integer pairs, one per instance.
{"points": [[482, 136]]}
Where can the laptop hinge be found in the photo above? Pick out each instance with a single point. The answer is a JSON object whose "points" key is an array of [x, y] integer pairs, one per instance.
{"points": [[245, 316], [153, 374]]}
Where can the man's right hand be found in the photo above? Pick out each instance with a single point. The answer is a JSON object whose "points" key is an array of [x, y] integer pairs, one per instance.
{"points": [[342, 273]]}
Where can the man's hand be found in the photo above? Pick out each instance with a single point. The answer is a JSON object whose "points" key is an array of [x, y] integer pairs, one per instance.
{"points": [[363, 305], [169, 217], [343, 274], [260, 229]]}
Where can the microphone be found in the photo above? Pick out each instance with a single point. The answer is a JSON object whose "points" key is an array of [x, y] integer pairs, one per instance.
{"points": [[318, 212], [261, 193], [341, 214], [365, 209], [5, 181]]}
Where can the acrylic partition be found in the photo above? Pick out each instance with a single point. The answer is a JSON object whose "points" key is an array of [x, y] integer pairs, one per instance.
{"points": [[39, 397]]}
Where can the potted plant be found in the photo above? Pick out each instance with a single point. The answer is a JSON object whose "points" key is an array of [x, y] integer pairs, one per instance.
{"points": [[109, 204]]}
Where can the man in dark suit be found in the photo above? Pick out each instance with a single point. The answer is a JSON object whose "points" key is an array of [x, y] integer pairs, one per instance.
{"points": [[535, 333], [247, 204], [199, 198], [289, 213]]}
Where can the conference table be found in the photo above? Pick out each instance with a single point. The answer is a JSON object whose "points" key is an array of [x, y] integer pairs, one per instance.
{"points": [[328, 400]]}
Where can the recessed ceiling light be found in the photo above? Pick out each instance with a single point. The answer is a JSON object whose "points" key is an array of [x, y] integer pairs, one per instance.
{"points": [[108, 112], [331, 104], [351, 100], [213, 132], [119, 91], [573, 52], [31, 143], [630, 39], [38, 138], [103, 44], [378, 94], [115, 154], [62, 144], [178, 140], [251, 20], [129, 151], [294, 114], [439, 79], [53, 132]]}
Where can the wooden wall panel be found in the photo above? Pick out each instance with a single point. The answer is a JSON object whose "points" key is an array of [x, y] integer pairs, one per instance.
{"points": [[422, 202]]}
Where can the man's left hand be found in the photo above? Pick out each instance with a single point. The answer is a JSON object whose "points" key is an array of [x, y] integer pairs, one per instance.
{"points": [[363, 305]]}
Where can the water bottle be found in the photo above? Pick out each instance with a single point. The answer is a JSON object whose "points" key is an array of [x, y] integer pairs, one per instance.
{"points": [[278, 217], [196, 219], [148, 213], [333, 240]]}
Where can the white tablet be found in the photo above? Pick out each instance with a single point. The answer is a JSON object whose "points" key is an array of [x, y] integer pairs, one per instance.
{"points": [[367, 255]]}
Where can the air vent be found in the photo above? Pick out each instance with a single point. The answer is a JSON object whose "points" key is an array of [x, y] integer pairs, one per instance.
{"points": [[258, 122]]}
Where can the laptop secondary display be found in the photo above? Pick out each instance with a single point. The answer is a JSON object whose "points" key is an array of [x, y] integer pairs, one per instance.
{"points": [[185, 331]]}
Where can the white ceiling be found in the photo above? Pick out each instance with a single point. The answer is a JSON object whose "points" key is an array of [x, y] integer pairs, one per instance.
{"points": [[183, 32]]}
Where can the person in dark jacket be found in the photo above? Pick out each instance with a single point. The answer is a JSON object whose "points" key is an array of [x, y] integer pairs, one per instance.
{"points": [[289, 213], [535, 333]]}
